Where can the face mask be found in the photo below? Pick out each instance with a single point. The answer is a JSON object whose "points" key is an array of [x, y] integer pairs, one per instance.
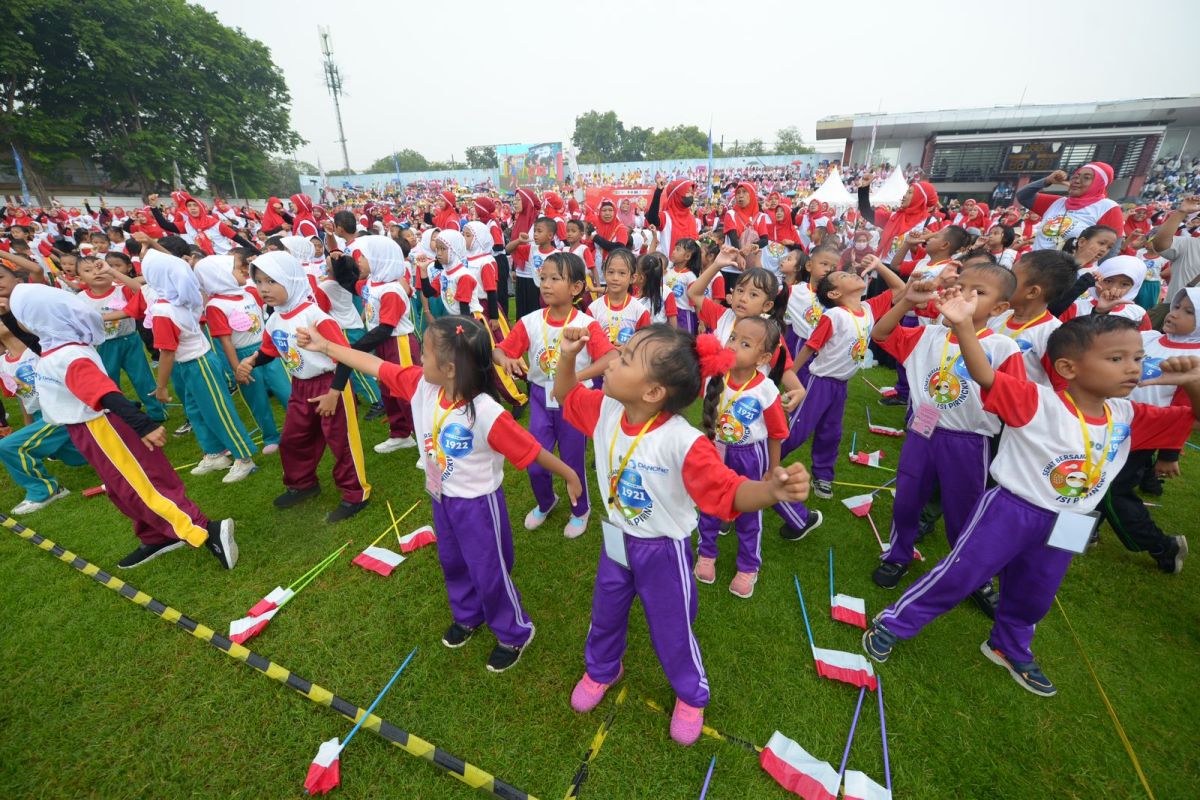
{"points": [[860, 245], [687, 202]]}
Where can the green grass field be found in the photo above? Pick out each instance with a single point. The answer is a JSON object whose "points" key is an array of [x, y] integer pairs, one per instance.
{"points": [[101, 699]]}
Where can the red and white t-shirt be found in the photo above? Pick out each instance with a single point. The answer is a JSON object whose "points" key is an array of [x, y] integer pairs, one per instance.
{"points": [[117, 298], [471, 447], [1158, 347], [750, 413], [279, 341], [719, 321], [1058, 224], [538, 337], [459, 286], [1032, 337], [804, 311], [341, 305], [70, 383], [387, 304], [939, 377], [674, 469], [1042, 458], [1087, 305], [19, 379], [676, 282], [167, 322], [841, 337], [487, 275], [620, 322], [239, 317]]}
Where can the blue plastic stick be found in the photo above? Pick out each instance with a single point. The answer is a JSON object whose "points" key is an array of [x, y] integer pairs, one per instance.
{"points": [[831, 593], [854, 443], [1193, 446], [887, 767], [371, 708], [850, 738], [804, 611], [708, 777]]}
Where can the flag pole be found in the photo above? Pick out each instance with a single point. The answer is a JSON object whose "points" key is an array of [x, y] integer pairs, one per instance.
{"points": [[831, 592], [854, 442], [319, 565], [804, 611], [850, 738], [366, 715], [890, 481], [887, 767], [862, 485], [395, 521], [876, 530], [315, 573], [708, 778]]}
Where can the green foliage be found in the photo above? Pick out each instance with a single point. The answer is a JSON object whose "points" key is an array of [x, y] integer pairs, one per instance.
{"points": [[681, 141], [283, 177], [788, 141], [598, 136], [407, 160], [481, 157]]}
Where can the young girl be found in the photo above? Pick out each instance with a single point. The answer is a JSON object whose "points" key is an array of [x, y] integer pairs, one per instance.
{"points": [[123, 445], [483, 266], [619, 314], [538, 337], [340, 283], [186, 356], [744, 416], [803, 310], [320, 410], [22, 451], [837, 347], [235, 322], [685, 268], [654, 469], [1120, 278], [648, 287], [466, 436]]}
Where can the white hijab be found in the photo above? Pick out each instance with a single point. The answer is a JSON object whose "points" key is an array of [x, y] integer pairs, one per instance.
{"points": [[482, 243], [1192, 294], [457, 245], [215, 274], [173, 280], [304, 251], [284, 269], [56, 316], [1131, 267], [384, 257]]}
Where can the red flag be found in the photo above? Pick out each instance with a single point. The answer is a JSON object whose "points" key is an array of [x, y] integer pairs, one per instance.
{"points": [[871, 459], [796, 770], [244, 629], [417, 539], [325, 772], [881, 430], [379, 560], [860, 787], [851, 610], [839, 665], [860, 504], [277, 597]]}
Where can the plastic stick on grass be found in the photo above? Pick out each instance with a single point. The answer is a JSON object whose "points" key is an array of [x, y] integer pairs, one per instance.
{"points": [[887, 767], [887, 484], [854, 442], [395, 522], [315, 573], [319, 565], [831, 592], [1193, 446], [878, 538], [708, 778], [850, 739], [804, 611], [375, 702], [864, 485]]}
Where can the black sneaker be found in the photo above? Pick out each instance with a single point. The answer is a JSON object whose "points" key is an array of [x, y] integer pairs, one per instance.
{"points": [[457, 635], [504, 656], [822, 488], [894, 400], [1027, 673], [725, 528], [1151, 484], [987, 598], [1170, 561], [375, 411], [221, 543], [148, 552], [296, 496], [878, 641], [345, 510], [790, 534], [887, 575], [184, 429]]}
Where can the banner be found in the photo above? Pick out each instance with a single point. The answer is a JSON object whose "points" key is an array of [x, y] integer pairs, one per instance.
{"points": [[594, 194], [537, 166]]}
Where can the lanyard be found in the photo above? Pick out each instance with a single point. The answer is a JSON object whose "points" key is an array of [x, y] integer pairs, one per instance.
{"points": [[862, 340], [615, 476], [552, 349], [944, 366], [1032, 322], [438, 423], [614, 319], [1092, 468], [726, 406]]}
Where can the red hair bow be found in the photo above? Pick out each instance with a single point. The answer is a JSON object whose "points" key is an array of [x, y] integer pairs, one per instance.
{"points": [[715, 359]]}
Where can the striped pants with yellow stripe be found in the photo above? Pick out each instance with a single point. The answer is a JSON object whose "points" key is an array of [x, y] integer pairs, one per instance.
{"points": [[404, 350], [140, 482], [306, 434], [23, 451], [200, 385]]}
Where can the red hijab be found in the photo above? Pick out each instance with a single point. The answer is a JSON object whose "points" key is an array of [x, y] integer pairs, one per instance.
{"points": [[447, 218], [304, 213], [202, 220], [553, 205], [614, 231], [777, 231], [745, 216], [683, 222], [270, 218], [523, 222], [150, 227], [902, 220], [1102, 176], [485, 209]]}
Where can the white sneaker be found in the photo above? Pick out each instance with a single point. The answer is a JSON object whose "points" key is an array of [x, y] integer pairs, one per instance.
{"points": [[576, 526], [212, 463], [270, 449], [535, 518], [241, 468], [30, 506], [395, 443]]}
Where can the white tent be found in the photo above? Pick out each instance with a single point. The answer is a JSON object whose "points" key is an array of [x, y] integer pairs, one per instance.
{"points": [[892, 190], [833, 191]]}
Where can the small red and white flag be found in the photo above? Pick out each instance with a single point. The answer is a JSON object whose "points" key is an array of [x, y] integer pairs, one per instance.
{"points": [[888, 391], [872, 459], [860, 787], [277, 597], [838, 665], [860, 504], [796, 770], [379, 560], [417, 539], [851, 610], [244, 629], [325, 772], [881, 430]]}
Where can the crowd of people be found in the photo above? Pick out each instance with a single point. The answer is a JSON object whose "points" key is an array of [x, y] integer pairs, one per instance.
{"points": [[1171, 180], [1050, 345]]}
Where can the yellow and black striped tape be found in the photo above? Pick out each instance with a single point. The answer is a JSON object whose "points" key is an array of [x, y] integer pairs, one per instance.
{"points": [[469, 774], [708, 731], [581, 774]]}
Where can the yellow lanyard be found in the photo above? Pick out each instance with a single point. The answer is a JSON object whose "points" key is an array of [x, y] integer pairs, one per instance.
{"points": [[614, 477], [1032, 322], [552, 349], [944, 366], [1092, 468], [862, 340], [726, 406], [614, 319], [438, 423]]}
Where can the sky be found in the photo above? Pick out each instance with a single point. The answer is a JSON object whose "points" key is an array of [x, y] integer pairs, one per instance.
{"points": [[440, 76]]}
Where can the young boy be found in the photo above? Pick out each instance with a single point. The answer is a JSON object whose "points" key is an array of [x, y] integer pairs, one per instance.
{"points": [[1042, 276], [1057, 455], [947, 445], [575, 243], [543, 245]]}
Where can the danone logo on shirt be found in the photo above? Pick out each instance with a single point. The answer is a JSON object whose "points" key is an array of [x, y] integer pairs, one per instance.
{"points": [[626, 332], [1120, 432], [1057, 226], [27, 380], [733, 426], [457, 441], [291, 356], [536, 260], [678, 289], [1024, 345], [632, 497]]}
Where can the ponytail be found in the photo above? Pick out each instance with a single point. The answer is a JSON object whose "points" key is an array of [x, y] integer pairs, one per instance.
{"points": [[712, 399]]}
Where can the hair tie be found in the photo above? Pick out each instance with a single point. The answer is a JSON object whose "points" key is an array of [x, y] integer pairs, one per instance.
{"points": [[714, 358], [458, 328]]}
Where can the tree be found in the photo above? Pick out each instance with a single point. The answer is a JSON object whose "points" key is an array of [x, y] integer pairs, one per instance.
{"points": [[682, 141], [406, 160], [481, 156], [754, 147], [598, 136], [284, 177], [789, 142], [634, 143]]}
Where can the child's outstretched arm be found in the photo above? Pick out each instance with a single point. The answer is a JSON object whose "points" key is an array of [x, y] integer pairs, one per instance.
{"points": [[726, 258], [915, 294], [565, 378], [783, 485], [959, 310], [552, 463], [893, 281], [1181, 371], [311, 339]]}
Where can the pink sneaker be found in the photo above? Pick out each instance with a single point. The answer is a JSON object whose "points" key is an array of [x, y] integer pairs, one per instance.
{"points": [[743, 584], [706, 569], [686, 723], [588, 693]]}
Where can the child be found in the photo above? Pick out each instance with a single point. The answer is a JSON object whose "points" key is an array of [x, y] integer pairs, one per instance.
{"points": [[574, 244], [538, 336], [235, 322], [744, 416], [124, 446], [1041, 276], [803, 309], [320, 411], [1150, 293], [654, 469], [544, 233], [1057, 454], [1120, 277], [22, 451], [947, 444], [837, 346], [1122, 507], [340, 284], [648, 287], [685, 268], [619, 314], [122, 348], [186, 355], [486, 305], [466, 437], [524, 227]]}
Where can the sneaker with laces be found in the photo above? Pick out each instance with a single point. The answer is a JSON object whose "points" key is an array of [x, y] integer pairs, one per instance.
{"points": [[374, 412], [588, 693], [504, 656], [987, 598], [878, 641], [576, 526], [395, 443], [1169, 561], [894, 400], [30, 506], [241, 468], [148, 552], [457, 635], [1026, 673], [345, 510], [822, 488], [535, 518], [686, 723], [221, 543], [294, 497], [815, 518], [706, 569], [184, 429], [212, 463], [887, 575], [742, 584]]}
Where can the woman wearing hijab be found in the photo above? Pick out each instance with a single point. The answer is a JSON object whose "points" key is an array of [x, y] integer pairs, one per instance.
{"points": [[525, 206], [1085, 204], [197, 226], [745, 215], [446, 217], [671, 212], [121, 443], [303, 223], [485, 212], [610, 232], [274, 217], [911, 216]]}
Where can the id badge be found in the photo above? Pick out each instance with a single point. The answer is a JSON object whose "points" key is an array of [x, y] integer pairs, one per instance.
{"points": [[924, 420], [1072, 531], [433, 476], [614, 543], [551, 400]]}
